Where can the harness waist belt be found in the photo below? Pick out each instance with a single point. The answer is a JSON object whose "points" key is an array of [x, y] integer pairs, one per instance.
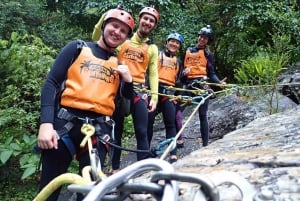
{"points": [[139, 85], [198, 79], [63, 113]]}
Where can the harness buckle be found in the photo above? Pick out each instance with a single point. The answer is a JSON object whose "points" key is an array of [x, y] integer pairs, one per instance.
{"points": [[64, 114], [106, 138]]}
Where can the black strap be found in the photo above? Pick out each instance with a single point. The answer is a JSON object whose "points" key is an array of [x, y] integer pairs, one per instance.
{"points": [[66, 128]]}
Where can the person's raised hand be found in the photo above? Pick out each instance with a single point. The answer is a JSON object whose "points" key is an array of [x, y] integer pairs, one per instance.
{"points": [[186, 71], [124, 73], [223, 82]]}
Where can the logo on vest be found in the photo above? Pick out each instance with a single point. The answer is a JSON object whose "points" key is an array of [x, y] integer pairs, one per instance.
{"points": [[98, 71], [134, 55], [193, 61], [169, 65]]}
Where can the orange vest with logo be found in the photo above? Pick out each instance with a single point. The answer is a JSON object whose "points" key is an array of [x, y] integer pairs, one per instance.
{"points": [[136, 58], [197, 63], [91, 84], [167, 69]]}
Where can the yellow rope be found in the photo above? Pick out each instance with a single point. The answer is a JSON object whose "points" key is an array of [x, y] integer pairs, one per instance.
{"points": [[67, 178], [70, 178]]}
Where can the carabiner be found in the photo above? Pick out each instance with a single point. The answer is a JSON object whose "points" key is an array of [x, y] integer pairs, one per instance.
{"points": [[159, 149]]}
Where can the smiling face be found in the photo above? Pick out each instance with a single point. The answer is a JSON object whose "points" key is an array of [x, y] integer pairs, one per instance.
{"points": [[202, 41], [115, 33], [173, 45], [147, 23]]}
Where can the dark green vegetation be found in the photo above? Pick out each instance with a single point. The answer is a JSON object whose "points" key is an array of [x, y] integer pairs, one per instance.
{"points": [[253, 42]]}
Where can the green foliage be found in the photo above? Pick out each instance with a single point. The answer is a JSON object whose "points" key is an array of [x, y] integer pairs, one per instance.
{"points": [[22, 149], [128, 128], [15, 153], [25, 62], [239, 26], [257, 70], [15, 17], [260, 72], [245, 26], [257, 38], [265, 66], [33, 17], [17, 190]]}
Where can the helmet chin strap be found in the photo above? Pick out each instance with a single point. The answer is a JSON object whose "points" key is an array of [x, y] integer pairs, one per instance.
{"points": [[169, 52]]}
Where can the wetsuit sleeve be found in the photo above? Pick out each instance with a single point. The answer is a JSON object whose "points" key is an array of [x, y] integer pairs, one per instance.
{"points": [[54, 80], [97, 28], [211, 69], [183, 77], [127, 90], [179, 74], [153, 71]]}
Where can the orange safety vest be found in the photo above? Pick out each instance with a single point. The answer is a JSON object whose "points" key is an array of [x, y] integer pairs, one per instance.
{"points": [[91, 84], [197, 63], [167, 69], [136, 58]]}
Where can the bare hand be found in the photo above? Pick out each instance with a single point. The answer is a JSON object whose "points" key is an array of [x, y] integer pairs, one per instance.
{"points": [[223, 82], [47, 137], [124, 73], [186, 71], [152, 106]]}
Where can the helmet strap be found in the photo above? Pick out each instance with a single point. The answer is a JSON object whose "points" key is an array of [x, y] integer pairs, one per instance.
{"points": [[169, 53]]}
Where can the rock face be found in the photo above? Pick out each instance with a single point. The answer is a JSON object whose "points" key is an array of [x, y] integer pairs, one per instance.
{"points": [[233, 112], [290, 86], [263, 149], [266, 152]]}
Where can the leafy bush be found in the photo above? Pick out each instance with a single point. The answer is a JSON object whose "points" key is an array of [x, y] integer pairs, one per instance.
{"points": [[128, 128], [25, 62], [265, 66], [260, 73], [259, 69]]}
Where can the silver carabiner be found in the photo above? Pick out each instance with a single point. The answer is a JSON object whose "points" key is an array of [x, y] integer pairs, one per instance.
{"points": [[123, 176], [247, 190], [207, 187], [95, 165]]}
